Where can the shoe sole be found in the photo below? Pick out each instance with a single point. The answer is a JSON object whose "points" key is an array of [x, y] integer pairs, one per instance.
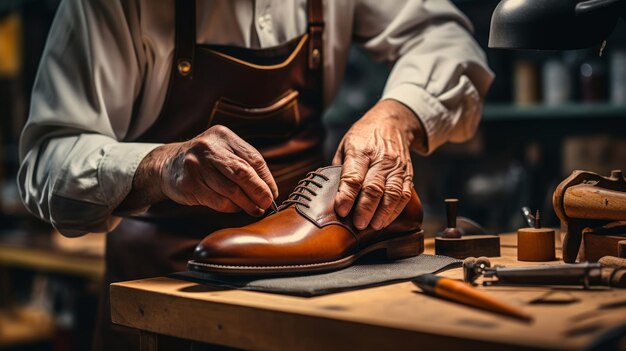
{"points": [[398, 248]]}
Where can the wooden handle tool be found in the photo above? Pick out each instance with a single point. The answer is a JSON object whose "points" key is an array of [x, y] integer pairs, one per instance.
{"points": [[467, 295]]}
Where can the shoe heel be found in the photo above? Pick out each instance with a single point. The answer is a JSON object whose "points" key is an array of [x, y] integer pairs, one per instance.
{"points": [[406, 246]]}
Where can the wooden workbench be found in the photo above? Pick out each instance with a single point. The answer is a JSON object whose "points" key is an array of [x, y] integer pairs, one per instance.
{"points": [[391, 317]]}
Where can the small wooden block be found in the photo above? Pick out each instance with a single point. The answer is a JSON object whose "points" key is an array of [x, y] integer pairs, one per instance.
{"points": [[535, 244], [469, 245], [596, 246]]}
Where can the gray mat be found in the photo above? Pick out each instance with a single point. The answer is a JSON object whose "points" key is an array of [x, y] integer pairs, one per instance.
{"points": [[361, 275]]}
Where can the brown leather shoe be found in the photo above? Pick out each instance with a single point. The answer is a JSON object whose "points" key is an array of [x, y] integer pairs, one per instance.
{"points": [[306, 235]]}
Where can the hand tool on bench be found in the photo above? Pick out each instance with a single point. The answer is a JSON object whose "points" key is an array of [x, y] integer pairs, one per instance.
{"points": [[610, 272], [453, 242], [528, 216], [463, 293]]}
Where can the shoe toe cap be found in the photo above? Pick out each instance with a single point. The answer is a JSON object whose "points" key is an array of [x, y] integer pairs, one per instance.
{"points": [[228, 246]]}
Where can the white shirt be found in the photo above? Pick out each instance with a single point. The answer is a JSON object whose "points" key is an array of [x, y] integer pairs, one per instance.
{"points": [[77, 154]]}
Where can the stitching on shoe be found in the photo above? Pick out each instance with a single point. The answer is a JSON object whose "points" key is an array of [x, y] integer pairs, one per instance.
{"points": [[265, 267]]}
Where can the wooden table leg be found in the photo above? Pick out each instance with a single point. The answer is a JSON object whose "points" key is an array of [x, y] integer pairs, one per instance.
{"points": [[148, 341]]}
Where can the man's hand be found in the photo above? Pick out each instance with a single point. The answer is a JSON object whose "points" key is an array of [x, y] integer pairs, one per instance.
{"points": [[377, 175], [216, 169]]}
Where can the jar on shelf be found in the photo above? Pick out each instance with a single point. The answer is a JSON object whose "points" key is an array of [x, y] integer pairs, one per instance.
{"points": [[556, 83], [593, 81], [526, 82], [617, 67]]}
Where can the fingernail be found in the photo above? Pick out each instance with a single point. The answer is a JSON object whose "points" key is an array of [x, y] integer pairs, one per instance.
{"points": [[339, 208], [341, 212], [258, 212], [345, 211], [377, 225], [360, 224]]}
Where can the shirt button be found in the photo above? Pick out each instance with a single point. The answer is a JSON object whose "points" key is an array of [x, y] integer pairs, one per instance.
{"points": [[265, 22]]}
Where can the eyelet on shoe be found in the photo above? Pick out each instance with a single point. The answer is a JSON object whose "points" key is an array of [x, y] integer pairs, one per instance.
{"points": [[298, 192]]}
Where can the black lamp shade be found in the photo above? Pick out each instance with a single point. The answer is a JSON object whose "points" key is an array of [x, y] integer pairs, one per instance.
{"points": [[552, 24]]}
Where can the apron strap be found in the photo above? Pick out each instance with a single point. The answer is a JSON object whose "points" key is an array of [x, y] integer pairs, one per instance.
{"points": [[315, 12], [185, 37]]}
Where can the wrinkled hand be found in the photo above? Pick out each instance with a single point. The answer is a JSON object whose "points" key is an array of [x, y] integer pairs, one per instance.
{"points": [[216, 169], [377, 175]]}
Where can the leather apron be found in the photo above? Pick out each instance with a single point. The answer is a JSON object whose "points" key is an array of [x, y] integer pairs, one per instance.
{"points": [[270, 97]]}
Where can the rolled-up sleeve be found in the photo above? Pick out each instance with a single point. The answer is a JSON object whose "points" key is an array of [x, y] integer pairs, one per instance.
{"points": [[75, 169], [439, 71]]}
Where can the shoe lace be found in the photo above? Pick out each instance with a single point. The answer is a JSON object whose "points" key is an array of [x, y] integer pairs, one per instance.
{"points": [[303, 192]]}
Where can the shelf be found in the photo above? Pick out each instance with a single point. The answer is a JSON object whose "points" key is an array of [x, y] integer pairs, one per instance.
{"points": [[510, 112], [42, 253], [24, 326]]}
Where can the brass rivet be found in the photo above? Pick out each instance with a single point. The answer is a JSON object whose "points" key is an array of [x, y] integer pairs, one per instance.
{"points": [[184, 67], [315, 56]]}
